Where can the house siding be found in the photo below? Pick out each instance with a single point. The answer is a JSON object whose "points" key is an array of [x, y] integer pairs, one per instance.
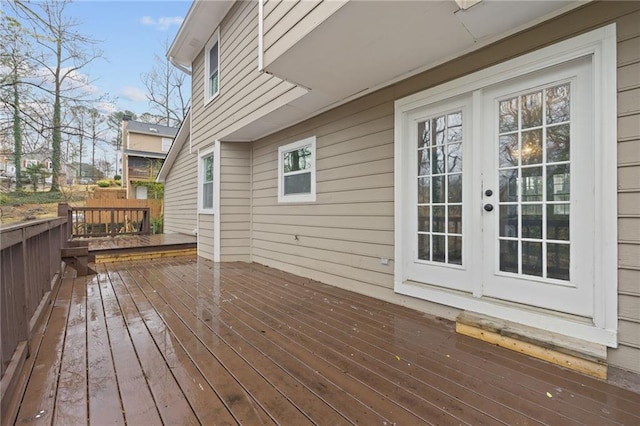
{"points": [[235, 210], [181, 194], [206, 230], [628, 353], [286, 22], [341, 238], [147, 143], [246, 94]]}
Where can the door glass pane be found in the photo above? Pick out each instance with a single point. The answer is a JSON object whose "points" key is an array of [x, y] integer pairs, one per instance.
{"points": [[531, 110], [509, 221], [455, 250], [508, 181], [534, 179], [532, 221], [509, 256], [531, 152], [455, 188], [558, 222], [508, 150], [532, 184], [439, 174], [532, 258], [424, 219], [438, 218], [439, 249], [558, 261], [424, 247]]}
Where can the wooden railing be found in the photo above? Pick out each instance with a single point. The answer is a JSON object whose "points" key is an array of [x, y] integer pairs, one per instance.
{"points": [[87, 222], [30, 267]]}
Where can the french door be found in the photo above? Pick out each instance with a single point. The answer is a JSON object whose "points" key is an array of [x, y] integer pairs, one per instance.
{"points": [[501, 191]]}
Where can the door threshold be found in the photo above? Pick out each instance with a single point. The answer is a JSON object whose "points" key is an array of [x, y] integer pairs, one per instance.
{"points": [[569, 352]]}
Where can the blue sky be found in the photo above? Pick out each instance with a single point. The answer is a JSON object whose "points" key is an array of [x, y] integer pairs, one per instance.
{"points": [[131, 33]]}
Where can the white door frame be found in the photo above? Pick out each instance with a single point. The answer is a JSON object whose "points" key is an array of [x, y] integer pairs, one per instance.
{"points": [[601, 325]]}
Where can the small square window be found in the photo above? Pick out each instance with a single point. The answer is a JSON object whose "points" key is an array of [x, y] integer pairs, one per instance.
{"points": [[212, 68], [296, 171]]}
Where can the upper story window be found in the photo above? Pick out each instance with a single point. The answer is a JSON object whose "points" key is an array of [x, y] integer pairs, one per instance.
{"points": [[297, 171], [166, 144], [212, 68]]}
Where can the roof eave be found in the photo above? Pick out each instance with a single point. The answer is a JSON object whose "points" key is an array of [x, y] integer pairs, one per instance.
{"points": [[176, 147], [201, 21]]}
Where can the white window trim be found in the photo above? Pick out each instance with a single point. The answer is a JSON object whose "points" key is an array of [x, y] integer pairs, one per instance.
{"points": [[600, 43], [215, 38], [297, 198], [201, 155]]}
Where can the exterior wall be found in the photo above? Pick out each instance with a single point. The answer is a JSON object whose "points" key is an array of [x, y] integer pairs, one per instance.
{"points": [[287, 22], [341, 238], [181, 193], [628, 353], [245, 93], [142, 142], [235, 187], [206, 227]]}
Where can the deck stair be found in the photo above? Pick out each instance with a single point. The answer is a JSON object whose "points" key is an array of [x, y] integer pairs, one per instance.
{"points": [[77, 256]]}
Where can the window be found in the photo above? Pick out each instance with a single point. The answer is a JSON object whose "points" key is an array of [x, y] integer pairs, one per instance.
{"points": [[212, 68], [296, 171], [206, 182], [166, 144]]}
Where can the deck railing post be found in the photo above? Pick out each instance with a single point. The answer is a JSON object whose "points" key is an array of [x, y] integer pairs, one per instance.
{"points": [[113, 222], [65, 210]]}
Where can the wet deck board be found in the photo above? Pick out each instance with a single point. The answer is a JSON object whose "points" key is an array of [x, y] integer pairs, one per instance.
{"points": [[187, 341]]}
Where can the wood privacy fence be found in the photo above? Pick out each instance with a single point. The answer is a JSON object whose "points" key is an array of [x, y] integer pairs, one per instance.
{"points": [[30, 261], [154, 206]]}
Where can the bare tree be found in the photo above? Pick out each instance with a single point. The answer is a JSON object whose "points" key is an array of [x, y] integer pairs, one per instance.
{"points": [[165, 85], [96, 132], [63, 53]]}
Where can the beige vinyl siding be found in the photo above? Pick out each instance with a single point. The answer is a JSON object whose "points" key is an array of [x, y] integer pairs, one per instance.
{"points": [[628, 354], [142, 142], [181, 193], [206, 229], [342, 237], [346, 232], [235, 193], [245, 93], [286, 22]]}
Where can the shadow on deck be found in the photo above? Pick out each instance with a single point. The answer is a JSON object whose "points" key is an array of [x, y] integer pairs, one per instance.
{"points": [[188, 341]]}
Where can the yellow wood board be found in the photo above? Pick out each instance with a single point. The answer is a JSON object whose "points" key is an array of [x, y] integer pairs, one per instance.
{"points": [[145, 255], [568, 361]]}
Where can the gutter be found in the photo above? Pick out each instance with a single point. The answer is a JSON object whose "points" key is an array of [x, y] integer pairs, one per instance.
{"points": [[179, 66]]}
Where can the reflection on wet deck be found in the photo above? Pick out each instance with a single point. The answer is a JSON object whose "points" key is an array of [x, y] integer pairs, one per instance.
{"points": [[187, 341]]}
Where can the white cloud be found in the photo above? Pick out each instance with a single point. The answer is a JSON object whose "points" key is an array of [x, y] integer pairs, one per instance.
{"points": [[163, 23], [134, 94]]}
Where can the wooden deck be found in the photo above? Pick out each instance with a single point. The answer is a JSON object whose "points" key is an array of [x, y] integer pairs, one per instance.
{"points": [[187, 341], [130, 243]]}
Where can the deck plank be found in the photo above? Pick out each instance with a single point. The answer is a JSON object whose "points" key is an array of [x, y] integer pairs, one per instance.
{"points": [[188, 341], [71, 400], [269, 403], [370, 392], [105, 406], [263, 362], [204, 401], [137, 401], [41, 392], [172, 405]]}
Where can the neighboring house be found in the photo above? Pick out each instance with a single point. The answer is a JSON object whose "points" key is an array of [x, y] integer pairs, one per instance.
{"points": [[144, 148], [8, 166], [446, 159]]}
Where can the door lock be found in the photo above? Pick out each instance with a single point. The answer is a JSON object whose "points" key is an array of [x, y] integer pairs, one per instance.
{"points": [[488, 207], [488, 193]]}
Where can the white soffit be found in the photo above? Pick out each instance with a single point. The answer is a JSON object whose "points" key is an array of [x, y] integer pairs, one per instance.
{"points": [[492, 17], [199, 25]]}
